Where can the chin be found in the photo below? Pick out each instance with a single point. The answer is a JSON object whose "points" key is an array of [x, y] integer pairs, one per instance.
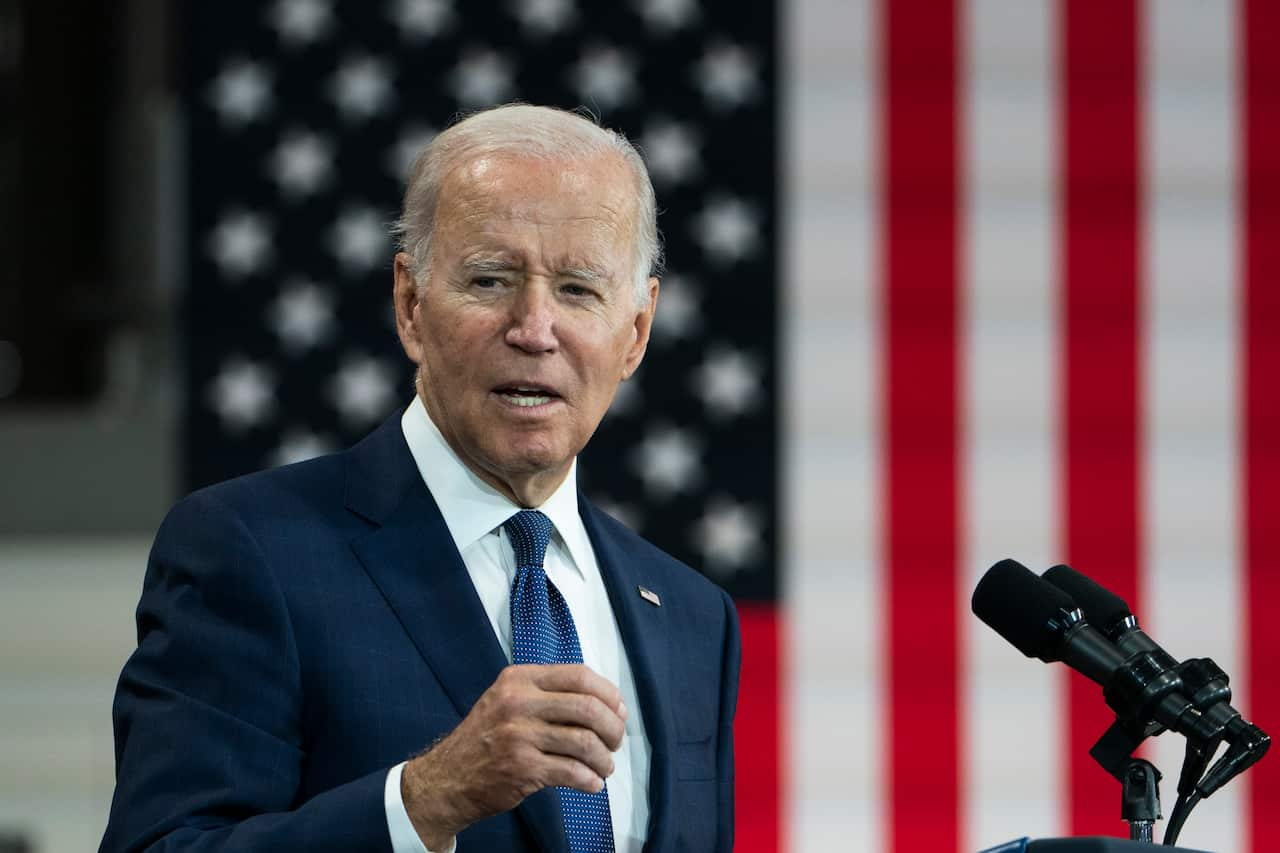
{"points": [[534, 458]]}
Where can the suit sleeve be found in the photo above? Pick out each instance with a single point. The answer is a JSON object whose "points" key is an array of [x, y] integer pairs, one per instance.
{"points": [[732, 657], [207, 715]]}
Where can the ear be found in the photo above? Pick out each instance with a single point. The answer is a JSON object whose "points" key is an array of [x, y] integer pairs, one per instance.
{"points": [[408, 308], [642, 326]]}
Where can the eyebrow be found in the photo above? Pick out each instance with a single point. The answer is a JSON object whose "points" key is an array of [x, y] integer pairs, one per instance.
{"points": [[584, 272], [506, 263], [492, 263]]}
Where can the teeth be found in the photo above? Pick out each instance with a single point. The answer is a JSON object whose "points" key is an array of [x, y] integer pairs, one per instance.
{"points": [[528, 402]]}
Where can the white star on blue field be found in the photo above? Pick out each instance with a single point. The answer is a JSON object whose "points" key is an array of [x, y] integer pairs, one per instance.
{"points": [[306, 117]]}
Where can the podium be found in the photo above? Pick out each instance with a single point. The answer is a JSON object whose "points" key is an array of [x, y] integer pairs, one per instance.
{"points": [[1083, 845]]}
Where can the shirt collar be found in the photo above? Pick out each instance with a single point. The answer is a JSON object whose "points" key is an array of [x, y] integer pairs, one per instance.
{"points": [[470, 506]]}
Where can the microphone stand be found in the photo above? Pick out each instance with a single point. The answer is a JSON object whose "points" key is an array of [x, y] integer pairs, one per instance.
{"points": [[1133, 690], [1139, 779], [1140, 804]]}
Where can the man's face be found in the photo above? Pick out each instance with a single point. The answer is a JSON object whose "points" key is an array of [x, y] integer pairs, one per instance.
{"points": [[528, 321]]}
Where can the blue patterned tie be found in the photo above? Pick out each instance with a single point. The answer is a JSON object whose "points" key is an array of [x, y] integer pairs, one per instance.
{"points": [[542, 632]]}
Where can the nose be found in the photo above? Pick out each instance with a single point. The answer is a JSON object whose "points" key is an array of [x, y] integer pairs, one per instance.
{"points": [[533, 319]]}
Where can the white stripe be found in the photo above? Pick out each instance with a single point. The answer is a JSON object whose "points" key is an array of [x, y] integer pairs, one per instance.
{"points": [[1190, 592], [831, 339], [1013, 764]]}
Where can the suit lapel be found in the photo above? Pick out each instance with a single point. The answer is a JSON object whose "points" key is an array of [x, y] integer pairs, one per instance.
{"points": [[412, 559], [414, 562], [645, 637]]}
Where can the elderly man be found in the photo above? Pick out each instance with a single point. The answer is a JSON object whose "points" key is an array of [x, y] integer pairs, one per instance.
{"points": [[433, 641]]}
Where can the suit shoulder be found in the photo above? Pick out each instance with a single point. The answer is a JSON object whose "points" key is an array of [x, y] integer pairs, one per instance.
{"points": [[289, 491], [316, 486]]}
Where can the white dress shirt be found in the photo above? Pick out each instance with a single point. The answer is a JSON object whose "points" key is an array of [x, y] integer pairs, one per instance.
{"points": [[474, 513]]}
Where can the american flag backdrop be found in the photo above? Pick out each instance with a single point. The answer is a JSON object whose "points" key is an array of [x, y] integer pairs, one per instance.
{"points": [[950, 280], [1033, 306]]}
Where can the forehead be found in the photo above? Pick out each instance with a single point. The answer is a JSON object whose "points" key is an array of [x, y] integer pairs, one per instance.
{"points": [[582, 199]]}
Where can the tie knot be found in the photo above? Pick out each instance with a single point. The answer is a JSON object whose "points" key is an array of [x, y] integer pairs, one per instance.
{"points": [[530, 531]]}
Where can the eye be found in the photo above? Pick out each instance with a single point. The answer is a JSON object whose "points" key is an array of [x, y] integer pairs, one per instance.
{"points": [[486, 283], [578, 291]]}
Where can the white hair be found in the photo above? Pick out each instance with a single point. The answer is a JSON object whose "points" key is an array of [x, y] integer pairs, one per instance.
{"points": [[542, 132]]}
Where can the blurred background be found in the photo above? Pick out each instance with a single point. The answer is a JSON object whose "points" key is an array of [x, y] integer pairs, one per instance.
{"points": [[948, 281]]}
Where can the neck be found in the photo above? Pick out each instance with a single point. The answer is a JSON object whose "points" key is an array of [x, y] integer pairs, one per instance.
{"points": [[526, 492]]}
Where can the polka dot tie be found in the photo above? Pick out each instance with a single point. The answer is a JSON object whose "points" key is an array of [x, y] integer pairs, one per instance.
{"points": [[542, 632]]}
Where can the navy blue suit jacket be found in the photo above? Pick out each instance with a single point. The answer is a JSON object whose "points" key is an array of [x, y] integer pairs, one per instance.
{"points": [[303, 630]]}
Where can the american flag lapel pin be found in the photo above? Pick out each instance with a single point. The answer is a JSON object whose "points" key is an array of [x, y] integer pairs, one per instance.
{"points": [[650, 596]]}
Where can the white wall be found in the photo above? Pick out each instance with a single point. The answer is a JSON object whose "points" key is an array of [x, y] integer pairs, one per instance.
{"points": [[66, 627]]}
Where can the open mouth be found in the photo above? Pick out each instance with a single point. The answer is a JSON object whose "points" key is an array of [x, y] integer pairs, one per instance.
{"points": [[526, 396]]}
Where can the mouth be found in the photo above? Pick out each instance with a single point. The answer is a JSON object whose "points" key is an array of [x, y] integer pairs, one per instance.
{"points": [[526, 396]]}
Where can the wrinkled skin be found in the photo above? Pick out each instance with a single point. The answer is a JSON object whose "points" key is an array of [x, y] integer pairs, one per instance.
{"points": [[530, 284]]}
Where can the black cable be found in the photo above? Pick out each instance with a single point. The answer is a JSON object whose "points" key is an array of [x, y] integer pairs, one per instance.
{"points": [[1181, 811], [1248, 745]]}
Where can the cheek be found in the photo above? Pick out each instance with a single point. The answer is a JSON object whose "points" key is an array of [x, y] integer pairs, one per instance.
{"points": [[603, 374], [619, 352], [455, 340], [450, 365]]}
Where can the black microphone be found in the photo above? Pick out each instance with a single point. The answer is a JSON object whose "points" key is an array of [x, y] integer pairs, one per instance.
{"points": [[1042, 621], [1207, 684], [1107, 612]]}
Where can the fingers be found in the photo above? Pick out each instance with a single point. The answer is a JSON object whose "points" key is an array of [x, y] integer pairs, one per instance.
{"points": [[573, 695], [583, 712], [580, 744], [536, 726], [565, 772], [570, 712], [577, 678]]}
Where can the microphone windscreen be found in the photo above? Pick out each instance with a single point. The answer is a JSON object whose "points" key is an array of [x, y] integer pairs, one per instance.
{"points": [[1105, 610], [1022, 607]]}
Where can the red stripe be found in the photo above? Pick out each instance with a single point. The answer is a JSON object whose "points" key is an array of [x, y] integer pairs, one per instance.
{"points": [[1101, 389], [921, 369], [756, 733], [1260, 475]]}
